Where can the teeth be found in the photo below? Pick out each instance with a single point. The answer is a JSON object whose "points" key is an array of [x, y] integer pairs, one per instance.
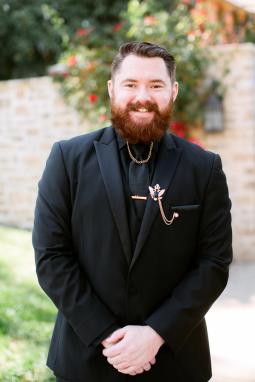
{"points": [[142, 110]]}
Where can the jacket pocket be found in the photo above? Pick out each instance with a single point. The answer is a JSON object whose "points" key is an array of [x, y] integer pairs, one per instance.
{"points": [[186, 207]]}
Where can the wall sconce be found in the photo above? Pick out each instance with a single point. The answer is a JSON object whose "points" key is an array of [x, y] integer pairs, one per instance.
{"points": [[213, 116]]}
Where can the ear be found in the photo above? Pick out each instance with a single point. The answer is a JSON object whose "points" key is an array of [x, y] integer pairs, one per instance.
{"points": [[175, 90], [110, 88]]}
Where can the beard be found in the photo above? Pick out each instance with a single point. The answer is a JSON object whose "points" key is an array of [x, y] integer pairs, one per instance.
{"points": [[141, 132]]}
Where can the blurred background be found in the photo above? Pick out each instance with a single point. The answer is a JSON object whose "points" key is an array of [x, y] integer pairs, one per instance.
{"points": [[54, 63]]}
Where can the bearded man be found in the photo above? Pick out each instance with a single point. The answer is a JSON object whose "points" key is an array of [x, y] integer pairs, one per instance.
{"points": [[132, 237]]}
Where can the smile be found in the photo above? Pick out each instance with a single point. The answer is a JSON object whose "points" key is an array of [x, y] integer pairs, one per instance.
{"points": [[142, 114], [142, 110]]}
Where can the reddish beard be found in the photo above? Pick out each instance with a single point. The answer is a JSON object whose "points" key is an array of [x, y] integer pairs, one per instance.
{"points": [[141, 132]]}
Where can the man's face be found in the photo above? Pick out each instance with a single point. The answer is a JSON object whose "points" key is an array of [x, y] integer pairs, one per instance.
{"points": [[142, 97]]}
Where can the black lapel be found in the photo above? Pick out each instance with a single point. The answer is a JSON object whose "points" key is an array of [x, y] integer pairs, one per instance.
{"points": [[167, 162], [108, 159]]}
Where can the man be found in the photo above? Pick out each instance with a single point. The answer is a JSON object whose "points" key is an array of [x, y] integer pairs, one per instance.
{"points": [[132, 237]]}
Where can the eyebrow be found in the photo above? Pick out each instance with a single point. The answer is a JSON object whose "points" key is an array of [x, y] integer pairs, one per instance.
{"points": [[152, 81], [158, 81], [128, 80]]}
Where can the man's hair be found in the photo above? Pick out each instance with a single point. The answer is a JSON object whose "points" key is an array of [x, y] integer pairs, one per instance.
{"points": [[144, 49]]}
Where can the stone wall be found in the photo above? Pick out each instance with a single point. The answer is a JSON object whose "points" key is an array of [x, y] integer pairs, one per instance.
{"points": [[236, 144], [33, 116]]}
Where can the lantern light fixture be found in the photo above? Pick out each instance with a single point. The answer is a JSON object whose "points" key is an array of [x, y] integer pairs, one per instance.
{"points": [[214, 115]]}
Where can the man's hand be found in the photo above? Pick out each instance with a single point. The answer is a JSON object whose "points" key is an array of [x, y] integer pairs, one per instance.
{"points": [[109, 341], [132, 349]]}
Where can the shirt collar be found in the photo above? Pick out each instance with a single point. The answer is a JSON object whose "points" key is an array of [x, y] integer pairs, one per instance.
{"points": [[121, 142]]}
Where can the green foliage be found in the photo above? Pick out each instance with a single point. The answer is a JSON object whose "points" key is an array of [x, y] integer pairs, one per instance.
{"points": [[85, 66], [26, 314], [34, 33]]}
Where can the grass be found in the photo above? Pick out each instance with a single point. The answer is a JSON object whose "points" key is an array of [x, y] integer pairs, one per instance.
{"points": [[26, 313]]}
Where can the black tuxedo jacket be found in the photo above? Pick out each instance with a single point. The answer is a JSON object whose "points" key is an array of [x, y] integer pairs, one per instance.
{"points": [[85, 265]]}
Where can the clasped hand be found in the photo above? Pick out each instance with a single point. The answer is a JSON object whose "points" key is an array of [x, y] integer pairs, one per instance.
{"points": [[132, 349]]}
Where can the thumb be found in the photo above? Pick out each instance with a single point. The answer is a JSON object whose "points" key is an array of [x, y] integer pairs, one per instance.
{"points": [[116, 336]]}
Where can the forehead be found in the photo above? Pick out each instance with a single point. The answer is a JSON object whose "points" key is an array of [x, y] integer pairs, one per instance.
{"points": [[142, 68]]}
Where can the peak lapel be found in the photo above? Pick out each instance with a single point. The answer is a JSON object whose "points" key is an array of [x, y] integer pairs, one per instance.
{"points": [[167, 162], [108, 159]]}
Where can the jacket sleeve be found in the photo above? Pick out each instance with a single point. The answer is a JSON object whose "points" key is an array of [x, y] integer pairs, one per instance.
{"points": [[176, 318], [58, 270]]}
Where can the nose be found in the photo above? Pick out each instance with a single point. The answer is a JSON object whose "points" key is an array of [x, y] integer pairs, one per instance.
{"points": [[142, 95]]}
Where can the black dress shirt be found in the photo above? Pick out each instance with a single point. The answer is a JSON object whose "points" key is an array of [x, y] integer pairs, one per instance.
{"points": [[133, 221]]}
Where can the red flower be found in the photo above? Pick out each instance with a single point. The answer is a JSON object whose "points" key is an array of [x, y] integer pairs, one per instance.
{"points": [[72, 61], [93, 98], [179, 128], [195, 140], [82, 32], [91, 66], [150, 20], [103, 118], [117, 27]]}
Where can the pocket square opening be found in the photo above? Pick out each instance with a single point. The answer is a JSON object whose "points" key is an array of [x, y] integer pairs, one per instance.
{"points": [[186, 207]]}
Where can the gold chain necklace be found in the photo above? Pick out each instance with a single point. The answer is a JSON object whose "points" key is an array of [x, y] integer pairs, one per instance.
{"points": [[140, 161]]}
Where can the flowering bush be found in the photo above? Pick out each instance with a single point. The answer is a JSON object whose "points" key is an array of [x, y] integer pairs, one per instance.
{"points": [[84, 68]]}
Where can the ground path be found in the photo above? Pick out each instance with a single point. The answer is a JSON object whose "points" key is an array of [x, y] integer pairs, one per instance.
{"points": [[231, 325]]}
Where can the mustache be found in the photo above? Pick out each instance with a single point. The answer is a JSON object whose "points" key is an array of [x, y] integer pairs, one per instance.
{"points": [[147, 105], [141, 132]]}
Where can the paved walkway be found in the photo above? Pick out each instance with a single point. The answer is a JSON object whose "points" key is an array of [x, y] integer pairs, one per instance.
{"points": [[231, 326]]}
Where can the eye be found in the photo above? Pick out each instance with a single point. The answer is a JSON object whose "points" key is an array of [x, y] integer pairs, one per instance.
{"points": [[157, 86], [131, 85]]}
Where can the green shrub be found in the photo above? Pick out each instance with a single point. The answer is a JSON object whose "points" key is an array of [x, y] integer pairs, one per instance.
{"points": [[84, 67]]}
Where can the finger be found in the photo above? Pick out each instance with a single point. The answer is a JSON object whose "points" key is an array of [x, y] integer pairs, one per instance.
{"points": [[131, 373], [112, 351], [121, 366], [106, 344], [131, 370], [153, 361], [127, 370], [116, 361], [116, 336], [147, 367], [124, 366]]}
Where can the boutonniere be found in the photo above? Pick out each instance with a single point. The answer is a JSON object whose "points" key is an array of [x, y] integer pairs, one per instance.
{"points": [[157, 195]]}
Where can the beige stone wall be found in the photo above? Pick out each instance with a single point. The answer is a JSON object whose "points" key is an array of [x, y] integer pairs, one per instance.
{"points": [[33, 116], [236, 144]]}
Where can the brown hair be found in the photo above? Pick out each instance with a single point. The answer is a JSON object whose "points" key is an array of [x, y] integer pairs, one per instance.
{"points": [[144, 49]]}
